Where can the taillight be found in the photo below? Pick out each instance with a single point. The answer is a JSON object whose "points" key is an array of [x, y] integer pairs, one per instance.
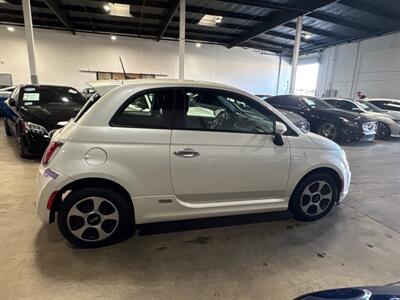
{"points": [[50, 150]]}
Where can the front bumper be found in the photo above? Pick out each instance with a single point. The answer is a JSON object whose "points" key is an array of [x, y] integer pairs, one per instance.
{"points": [[361, 132], [346, 179], [48, 181], [395, 130], [35, 144]]}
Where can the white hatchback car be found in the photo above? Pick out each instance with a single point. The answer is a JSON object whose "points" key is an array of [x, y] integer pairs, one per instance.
{"points": [[160, 150]]}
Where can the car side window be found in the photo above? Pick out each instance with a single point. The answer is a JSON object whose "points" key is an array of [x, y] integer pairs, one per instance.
{"points": [[332, 102], [346, 105], [391, 105], [212, 110], [291, 102], [150, 109]]}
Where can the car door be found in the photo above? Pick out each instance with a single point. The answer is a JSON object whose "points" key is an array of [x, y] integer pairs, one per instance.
{"points": [[222, 150], [11, 110]]}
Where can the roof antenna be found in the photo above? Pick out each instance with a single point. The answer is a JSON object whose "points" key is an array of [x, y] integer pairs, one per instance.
{"points": [[123, 69]]}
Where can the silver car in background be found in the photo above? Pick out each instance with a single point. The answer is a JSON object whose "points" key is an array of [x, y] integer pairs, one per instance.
{"points": [[388, 125]]}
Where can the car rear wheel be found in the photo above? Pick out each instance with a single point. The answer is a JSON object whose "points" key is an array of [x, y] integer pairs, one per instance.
{"points": [[329, 131], [94, 217], [383, 131], [6, 127], [314, 197]]}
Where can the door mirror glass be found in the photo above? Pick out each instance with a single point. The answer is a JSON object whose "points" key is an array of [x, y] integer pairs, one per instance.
{"points": [[279, 130]]}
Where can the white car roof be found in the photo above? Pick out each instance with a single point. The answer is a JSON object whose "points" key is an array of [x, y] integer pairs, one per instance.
{"points": [[103, 86], [382, 99]]}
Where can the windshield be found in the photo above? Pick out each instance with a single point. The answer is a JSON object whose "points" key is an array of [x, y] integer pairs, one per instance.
{"points": [[51, 95], [312, 102], [369, 106]]}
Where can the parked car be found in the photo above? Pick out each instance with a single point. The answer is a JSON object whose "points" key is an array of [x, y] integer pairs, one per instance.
{"points": [[113, 166], [386, 104], [387, 125], [296, 119], [334, 124], [357, 293], [33, 111], [88, 92], [4, 95], [373, 107]]}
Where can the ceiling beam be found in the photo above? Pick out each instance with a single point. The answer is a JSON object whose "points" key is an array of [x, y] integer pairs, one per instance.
{"points": [[342, 21], [272, 43], [275, 19], [168, 18], [372, 9], [317, 31], [55, 6], [264, 4]]}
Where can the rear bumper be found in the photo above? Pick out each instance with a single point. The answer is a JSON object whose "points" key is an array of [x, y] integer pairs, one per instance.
{"points": [[48, 181]]}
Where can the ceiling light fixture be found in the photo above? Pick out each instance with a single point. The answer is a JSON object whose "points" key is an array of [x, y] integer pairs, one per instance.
{"points": [[218, 20], [113, 37], [306, 35], [107, 7], [10, 28], [198, 45]]}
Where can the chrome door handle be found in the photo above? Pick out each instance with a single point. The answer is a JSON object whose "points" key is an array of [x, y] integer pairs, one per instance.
{"points": [[187, 153]]}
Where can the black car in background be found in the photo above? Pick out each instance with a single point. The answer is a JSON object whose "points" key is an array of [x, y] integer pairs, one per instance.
{"points": [[33, 111], [334, 124]]}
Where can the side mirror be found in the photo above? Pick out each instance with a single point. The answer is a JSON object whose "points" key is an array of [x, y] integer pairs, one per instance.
{"points": [[12, 102], [279, 130]]}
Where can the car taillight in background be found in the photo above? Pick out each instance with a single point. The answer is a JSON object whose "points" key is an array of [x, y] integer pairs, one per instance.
{"points": [[50, 150]]}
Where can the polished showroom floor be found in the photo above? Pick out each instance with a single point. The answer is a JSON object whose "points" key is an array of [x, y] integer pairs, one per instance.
{"points": [[248, 257]]}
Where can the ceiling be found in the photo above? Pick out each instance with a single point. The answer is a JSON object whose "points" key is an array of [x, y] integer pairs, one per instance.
{"points": [[264, 25]]}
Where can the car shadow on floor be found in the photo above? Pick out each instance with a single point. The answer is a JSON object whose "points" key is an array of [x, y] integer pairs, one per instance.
{"points": [[173, 251]]}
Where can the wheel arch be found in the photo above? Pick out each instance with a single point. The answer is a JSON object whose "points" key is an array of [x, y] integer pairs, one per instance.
{"points": [[325, 170], [91, 182]]}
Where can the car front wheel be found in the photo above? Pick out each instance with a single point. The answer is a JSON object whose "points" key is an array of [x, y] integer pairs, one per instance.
{"points": [[329, 131], [314, 197], [94, 217], [383, 131]]}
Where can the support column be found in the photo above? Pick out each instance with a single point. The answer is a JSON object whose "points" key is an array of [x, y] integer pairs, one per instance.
{"points": [[279, 75], [26, 6], [296, 51], [182, 25]]}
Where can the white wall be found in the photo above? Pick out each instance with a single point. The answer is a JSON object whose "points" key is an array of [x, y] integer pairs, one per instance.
{"points": [[62, 56], [371, 66]]}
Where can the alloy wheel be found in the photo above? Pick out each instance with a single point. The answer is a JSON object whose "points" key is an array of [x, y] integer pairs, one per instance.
{"points": [[316, 198], [328, 130], [93, 219]]}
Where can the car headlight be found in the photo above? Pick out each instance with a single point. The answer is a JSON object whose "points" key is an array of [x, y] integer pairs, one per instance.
{"points": [[35, 128], [348, 123]]}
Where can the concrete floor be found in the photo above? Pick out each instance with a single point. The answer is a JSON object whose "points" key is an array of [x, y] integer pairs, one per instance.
{"points": [[256, 257]]}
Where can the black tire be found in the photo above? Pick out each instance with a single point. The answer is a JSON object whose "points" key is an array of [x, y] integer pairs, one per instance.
{"points": [[299, 198], [22, 149], [334, 135], [6, 127], [117, 230], [383, 131]]}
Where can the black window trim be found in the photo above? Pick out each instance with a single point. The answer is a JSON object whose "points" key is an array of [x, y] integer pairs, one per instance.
{"points": [[112, 123], [289, 132]]}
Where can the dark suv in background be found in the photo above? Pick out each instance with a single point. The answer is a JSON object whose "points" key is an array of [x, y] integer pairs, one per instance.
{"points": [[334, 124]]}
